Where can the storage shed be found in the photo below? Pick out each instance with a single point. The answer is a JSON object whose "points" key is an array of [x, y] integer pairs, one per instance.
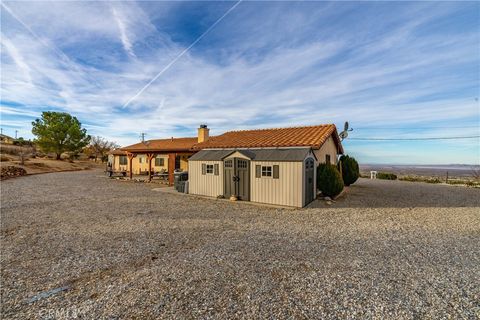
{"points": [[281, 176]]}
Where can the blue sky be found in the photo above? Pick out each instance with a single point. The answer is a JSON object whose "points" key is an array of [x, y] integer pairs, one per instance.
{"points": [[392, 69]]}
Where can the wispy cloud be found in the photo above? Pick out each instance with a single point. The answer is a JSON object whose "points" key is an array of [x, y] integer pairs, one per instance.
{"points": [[265, 65], [122, 28], [17, 58]]}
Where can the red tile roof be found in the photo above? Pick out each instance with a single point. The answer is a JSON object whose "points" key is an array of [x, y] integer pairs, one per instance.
{"points": [[117, 152], [311, 136], [159, 145]]}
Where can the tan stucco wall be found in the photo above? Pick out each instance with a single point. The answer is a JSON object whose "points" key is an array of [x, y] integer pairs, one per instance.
{"points": [[116, 164], [137, 167], [328, 147], [183, 162]]}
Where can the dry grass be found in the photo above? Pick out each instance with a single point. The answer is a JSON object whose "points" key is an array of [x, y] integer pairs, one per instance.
{"points": [[16, 150], [45, 165], [26, 157]]}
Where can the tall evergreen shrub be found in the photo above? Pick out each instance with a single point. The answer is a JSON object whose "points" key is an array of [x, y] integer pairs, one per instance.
{"points": [[329, 180], [350, 169]]}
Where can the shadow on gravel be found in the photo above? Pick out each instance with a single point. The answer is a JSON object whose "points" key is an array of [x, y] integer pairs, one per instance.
{"points": [[366, 193]]}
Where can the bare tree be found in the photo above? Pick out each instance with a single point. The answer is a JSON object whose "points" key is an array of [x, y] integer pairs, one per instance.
{"points": [[99, 148]]}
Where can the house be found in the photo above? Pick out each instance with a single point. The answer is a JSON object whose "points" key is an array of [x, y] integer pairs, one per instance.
{"points": [[151, 156], [274, 166], [6, 139]]}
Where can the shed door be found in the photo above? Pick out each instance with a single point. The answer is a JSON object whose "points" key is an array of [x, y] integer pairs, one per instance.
{"points": [[229, 179], [237, 178], [309, 185], [242, 167]]}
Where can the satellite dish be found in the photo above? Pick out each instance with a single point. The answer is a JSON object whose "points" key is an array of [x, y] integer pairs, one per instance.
{"points": [[344, 134]]}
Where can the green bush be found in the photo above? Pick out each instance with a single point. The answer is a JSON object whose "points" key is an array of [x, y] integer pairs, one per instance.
{"points": [[386, 176], [329, 180], [350, 169]]}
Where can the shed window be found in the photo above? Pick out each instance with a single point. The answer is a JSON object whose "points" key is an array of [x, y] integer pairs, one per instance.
{"points": [[209, 168], [159, 162], [123, 160], [141, 159], [266, 171], [242, 164], [327, 158]]}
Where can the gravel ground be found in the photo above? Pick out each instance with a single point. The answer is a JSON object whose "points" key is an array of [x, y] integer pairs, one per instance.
{"points": [[366, 193], [120, 250]]}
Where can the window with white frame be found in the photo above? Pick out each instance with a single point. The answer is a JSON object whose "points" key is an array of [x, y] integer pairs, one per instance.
{"points": [[209, 169], [266, 171], [141, 159]]}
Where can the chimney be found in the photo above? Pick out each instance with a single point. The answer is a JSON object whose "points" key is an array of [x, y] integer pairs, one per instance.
{"points": [[203, 133]]}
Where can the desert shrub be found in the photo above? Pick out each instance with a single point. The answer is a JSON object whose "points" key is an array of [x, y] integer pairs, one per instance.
{"points": [[329, 180], [22, 142], [4, 158], [474, 184], [13, 150], [350, 169], [386, 176], [16, 150], [421, 179], [410, 179]]}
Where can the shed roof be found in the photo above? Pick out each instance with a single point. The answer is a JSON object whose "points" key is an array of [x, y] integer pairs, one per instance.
{"points": [[283, 154], [309, 136]]}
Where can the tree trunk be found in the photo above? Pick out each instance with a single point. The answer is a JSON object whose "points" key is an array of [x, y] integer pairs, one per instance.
{"points": [[58, 156]]}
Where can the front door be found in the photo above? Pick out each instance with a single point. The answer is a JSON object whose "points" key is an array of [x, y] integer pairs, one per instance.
{"points": [[309, 185], [237, 178]]}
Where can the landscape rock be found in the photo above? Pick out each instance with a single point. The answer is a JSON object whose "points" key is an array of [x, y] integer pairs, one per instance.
{"points": [[11, 172]]}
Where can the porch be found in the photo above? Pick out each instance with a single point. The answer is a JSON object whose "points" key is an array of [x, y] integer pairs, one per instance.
{"points": [[147, 165]]}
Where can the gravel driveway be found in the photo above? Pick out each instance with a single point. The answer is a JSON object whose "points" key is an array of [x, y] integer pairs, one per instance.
{"points": [[117, 250]]}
